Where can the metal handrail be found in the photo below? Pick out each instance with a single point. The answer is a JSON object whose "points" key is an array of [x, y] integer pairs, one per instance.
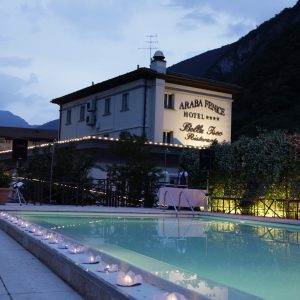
{"points": [[165, 193], [187, 199]]}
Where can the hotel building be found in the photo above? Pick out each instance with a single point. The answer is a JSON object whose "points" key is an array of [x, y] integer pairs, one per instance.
{"points": [[166, 107]]}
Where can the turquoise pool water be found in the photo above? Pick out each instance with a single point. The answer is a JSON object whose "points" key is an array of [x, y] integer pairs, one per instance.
{"points": [[257, 258]]}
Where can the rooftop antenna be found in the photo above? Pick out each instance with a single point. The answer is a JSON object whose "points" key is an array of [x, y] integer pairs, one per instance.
{"points": [[152, 39]]}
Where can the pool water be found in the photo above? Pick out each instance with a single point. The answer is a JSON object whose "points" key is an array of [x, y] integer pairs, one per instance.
{"points": [[261, 259]]}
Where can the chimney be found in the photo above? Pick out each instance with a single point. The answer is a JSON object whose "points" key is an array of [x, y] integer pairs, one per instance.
{"points": [[158, 62]]}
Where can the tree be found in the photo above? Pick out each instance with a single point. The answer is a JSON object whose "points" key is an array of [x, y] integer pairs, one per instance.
{"points": [[68, 165], [135, 175], [39, 163], [189, 160], [265, 165], [5, 178]]}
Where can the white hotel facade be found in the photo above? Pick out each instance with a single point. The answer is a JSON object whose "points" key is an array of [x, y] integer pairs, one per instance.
{"points": [[167, 107]]}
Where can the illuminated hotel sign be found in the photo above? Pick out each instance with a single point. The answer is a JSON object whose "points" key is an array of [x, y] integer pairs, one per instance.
{"points": [[199, 103], [201, 132]]}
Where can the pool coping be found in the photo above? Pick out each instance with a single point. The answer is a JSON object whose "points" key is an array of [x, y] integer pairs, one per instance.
{"points": [[253, 218], [140, 210]]}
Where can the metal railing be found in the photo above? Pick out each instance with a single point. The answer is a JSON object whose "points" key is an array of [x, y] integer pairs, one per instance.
{"points": [[97, 191], [108, 193], [276, 208]]}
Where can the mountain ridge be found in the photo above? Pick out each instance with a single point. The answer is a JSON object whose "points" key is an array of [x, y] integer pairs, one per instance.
{"points": [[8, 119], [265, 63]]}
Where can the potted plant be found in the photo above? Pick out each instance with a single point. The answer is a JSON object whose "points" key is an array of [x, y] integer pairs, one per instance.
{"points": [[4, 185]]}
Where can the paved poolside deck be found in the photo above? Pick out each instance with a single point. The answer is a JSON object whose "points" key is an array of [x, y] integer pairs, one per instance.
{"points": [[22, 276]]}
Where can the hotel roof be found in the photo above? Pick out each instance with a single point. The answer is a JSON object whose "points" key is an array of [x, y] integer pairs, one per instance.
{"points": [[147, 73], [28, 133]]}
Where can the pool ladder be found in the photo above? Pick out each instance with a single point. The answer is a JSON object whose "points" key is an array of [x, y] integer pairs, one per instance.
{"points": [[177, 208]]}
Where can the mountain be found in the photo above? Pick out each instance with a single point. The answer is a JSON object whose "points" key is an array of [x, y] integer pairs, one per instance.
{"points": [[8, 119], [50, 125], [198, 65], [266, 64]]}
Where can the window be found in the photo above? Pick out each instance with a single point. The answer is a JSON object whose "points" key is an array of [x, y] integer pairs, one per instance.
{"points": [[168, 137], [169, 101], [82, 113], [107, 106], [88, 106], [125, 102], [69, 115]]}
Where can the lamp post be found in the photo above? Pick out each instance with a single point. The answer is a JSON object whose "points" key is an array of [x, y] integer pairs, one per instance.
{"points": [[166, 151], [51, 171]]}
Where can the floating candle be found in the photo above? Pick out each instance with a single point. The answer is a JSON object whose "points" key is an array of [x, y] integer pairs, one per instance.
{"points": [[128, 279], [169, 296]]}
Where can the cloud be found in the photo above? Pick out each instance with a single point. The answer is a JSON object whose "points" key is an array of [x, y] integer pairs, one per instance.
{"points": [[34, 9], [9, 85], [14, 99], [238, 29], [13, 85], [196, 19], [32, 79], [34, 12], [92, 19], [35, 109], [4, 38], [201, 16], [14, 61], [224, 21], [11, 91], [247, 9]]}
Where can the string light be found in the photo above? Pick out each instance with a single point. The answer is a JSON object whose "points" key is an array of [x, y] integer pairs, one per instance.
{"points": [[100, 138]]}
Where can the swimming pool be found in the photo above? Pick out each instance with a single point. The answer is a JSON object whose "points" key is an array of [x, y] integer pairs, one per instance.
{"points": [[262, 259]]}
